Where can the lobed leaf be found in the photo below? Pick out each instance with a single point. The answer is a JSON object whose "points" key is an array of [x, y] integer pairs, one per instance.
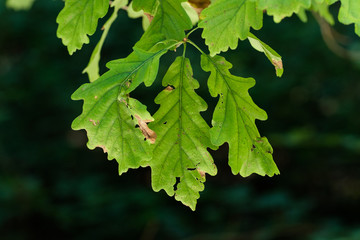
{"points": [[169, 22], [109, 116], [148, 6], [180, 150], [78, 19], [137, 14], [226, 21], [280, 9], [322, 7], [234, 120], [92, 68], [350, 13]]}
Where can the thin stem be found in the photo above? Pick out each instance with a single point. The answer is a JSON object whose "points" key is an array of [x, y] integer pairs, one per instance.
{"points": [[184, 50], [196, 46], [187, 35], [332, 42]]}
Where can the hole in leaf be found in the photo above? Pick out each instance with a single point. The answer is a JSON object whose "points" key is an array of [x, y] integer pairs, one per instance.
{"points": [[191, 169], [177, 182], [165, 122], [137, 126], [253, 147]]}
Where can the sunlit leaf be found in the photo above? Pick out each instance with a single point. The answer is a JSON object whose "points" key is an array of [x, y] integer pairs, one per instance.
{"points": [[109, 116], [92, 68], [180, 150], [273, 56], [169, 22], [77, 20], [234, 120], [350, 13], [226, 21], [280, 9]]}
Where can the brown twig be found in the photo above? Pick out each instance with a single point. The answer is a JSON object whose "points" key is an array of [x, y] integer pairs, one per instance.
{"points": [[333, 38]]}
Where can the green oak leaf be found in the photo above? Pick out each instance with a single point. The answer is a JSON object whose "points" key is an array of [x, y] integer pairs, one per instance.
{"points": [[350, 13], [226, 21], [169, 22], [137, 14], [234, 120], [19, 4], [330, 2], [280, 9], [92, 68], [273, 56], [109, 116], [191, 12], [148, 6], [78, 19], [180, 150]]}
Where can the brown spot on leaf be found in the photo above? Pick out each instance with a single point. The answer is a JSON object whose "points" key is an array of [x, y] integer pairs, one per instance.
{"points": [[149, 16], [94, 122], [169, 88], [103, 148], [202, 173], [277, 63], [146, 131], [96, 97]]}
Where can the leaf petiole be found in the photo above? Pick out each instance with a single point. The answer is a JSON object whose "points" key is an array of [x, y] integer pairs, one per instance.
{"points": [[193, 30], [196, 46]]}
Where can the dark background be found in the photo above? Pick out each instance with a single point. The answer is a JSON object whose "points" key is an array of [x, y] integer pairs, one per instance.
{"points": [[53, 187]]}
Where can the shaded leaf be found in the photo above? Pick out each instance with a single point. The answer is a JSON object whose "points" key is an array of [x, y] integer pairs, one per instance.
{"points": [[226, 21], [19, 4], [77, 20], [234, 120], [180, 150]]}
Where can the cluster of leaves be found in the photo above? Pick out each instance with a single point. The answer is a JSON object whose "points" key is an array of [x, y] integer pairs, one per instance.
{"points": [[174, 142]]}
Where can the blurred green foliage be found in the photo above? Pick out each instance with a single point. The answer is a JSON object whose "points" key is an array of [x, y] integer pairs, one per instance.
{"points": [[52, 187]]}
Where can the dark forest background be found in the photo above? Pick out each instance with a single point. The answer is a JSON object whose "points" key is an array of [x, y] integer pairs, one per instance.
{"points": [[53, 187]]}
